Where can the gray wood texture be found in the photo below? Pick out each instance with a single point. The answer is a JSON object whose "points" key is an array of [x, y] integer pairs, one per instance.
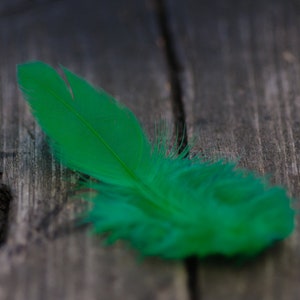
{"points": [[113, 44], [240, 76], [234, 66]]}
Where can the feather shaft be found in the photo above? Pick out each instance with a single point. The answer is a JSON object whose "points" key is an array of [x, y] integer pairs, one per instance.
{"points": [[33, 74], [55, 104]]}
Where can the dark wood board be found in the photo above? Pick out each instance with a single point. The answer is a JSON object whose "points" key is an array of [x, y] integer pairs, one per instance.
{"points": [[237, 64], [115, 45], [240, 67]]}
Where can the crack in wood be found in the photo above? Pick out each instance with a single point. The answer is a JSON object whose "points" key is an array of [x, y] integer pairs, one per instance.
{"points": [[5, 199], [175, 69], [191, 265]]}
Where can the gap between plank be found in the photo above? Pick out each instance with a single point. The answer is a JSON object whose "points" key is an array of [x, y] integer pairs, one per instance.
{"points": [[175, 68], [5, 199]]}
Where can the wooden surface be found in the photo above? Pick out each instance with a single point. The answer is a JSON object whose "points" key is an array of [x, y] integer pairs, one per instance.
{"points": [[242, 87], [233, 68]]}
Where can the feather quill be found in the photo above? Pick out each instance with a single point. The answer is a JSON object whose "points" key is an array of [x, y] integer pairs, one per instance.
{"points": [[162, 204]]}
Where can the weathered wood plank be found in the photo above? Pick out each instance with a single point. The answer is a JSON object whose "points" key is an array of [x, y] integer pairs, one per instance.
{"points": [[10, 7], [241, 69], [112, 44]]}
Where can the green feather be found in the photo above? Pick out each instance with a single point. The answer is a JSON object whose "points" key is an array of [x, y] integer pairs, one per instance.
{"points": [[162, 204], [85, 125]]}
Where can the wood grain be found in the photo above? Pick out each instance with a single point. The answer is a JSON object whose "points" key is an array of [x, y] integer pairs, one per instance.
{"points": [[113, 44], [238, 66], [240, 76]]}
